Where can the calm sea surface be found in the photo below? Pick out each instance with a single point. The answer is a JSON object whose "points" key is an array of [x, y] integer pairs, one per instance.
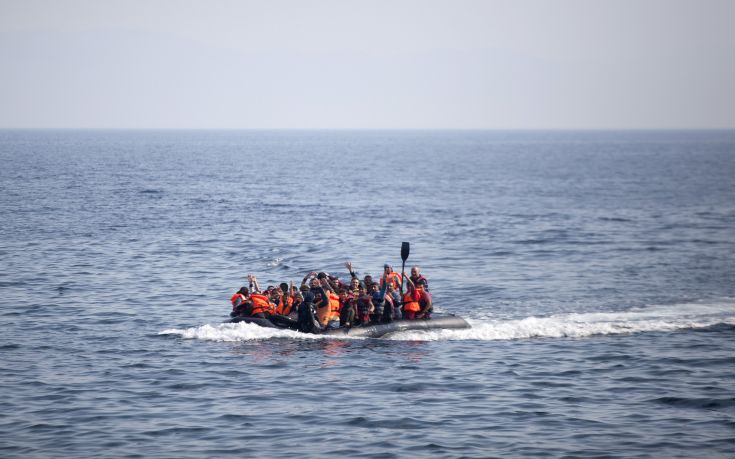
{"points": [[597, 270]]}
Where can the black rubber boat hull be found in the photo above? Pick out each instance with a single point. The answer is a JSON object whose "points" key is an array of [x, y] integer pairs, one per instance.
{"points": [[437, 322]]}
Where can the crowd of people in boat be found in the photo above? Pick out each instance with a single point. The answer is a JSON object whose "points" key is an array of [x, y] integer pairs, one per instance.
{"points": [[334, 303]]}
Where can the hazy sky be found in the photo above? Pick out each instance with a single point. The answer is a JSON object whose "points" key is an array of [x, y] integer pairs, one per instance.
{"points": [[367, 64]]}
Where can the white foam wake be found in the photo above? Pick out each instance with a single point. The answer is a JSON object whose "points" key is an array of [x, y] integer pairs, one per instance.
{"points": [[240, 331], [574, 325]]}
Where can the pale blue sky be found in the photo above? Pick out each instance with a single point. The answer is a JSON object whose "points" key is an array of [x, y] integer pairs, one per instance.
{"points": [[368, 64]]}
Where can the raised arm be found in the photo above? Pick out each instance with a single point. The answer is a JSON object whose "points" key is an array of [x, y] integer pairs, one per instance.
{"points": [[348, 265], [253, 283], [409, 282], [325, 283], [308, 276]]}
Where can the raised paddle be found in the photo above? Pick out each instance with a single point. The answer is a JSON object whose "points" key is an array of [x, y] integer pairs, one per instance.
{"points": [[405, 249]]}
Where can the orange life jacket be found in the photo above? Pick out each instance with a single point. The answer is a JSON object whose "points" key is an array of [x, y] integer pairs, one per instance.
{"points": [[334, 306], [394, 278], [261, 304], [237, 296], [284, 307], [410, 303]]}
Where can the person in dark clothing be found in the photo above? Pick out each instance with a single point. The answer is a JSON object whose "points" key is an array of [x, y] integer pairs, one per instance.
{"points": [[383, 312], [241, 303], [364, 305], [425, 301], [307, 321], [417, 277], [321, 300], [347, 313]]}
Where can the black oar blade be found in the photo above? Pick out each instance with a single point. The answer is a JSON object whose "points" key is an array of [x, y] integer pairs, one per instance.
{"points": [[405, 249]]}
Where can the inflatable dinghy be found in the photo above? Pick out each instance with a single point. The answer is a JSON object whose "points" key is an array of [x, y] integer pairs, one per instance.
{"points": [[437, 322]]}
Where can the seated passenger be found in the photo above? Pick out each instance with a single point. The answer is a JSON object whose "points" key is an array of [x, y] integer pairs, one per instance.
{"points": [[262, 307], [395, 299], [383, 308], [411, 300], [285, 300], [364, 305], [320, 298], [331, 284], [417, 277], [392, 277], [367, 281], [307, 321], [425, 301], [355, 281], [347, 313], [241, 304]]}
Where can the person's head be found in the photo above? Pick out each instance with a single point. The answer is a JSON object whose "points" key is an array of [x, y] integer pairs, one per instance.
{"points": [[373, 288], [421, 283], [387, 269], [315, 283], [304, 288], [415, 271], [284, 287], [270, 289], [298, 297], [361, 289], [354, 283], [368, 279], [321, 275], [244, 291]]}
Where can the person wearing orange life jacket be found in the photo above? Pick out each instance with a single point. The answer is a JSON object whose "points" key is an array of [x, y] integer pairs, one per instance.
{"points": [[333, 299], [285, 300], [241, 304], [262, 307], [425, 300], [392, 277], [411, 298]]}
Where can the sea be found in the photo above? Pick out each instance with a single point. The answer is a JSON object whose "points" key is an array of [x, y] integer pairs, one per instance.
{"points": [[597, 269]]}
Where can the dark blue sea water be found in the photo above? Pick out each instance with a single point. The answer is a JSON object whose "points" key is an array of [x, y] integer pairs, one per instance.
{"points": [[597, 270]]}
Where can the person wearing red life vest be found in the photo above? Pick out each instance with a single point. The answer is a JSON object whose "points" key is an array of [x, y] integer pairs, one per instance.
{"points": [[411, 299], [417, 277], [425, 301], [349, 308]]}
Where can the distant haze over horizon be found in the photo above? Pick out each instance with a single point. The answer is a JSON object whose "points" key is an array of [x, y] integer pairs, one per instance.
{"points": [[528, 65]]}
